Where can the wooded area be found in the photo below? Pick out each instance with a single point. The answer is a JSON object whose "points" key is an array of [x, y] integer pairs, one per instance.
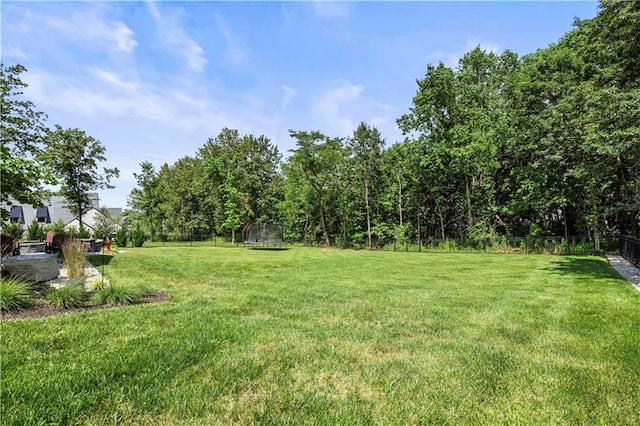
{"points": [[546, 144], [501, 146]]}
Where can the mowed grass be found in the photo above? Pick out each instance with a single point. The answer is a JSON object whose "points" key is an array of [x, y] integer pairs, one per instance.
{"points": [[313, 336]]}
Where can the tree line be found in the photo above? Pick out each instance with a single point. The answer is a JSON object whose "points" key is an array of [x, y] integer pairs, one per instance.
{"points": [[545, 144], [501, 145]]}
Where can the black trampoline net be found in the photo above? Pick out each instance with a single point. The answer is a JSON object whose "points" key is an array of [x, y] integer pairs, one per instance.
{"points": [[264, 234]]}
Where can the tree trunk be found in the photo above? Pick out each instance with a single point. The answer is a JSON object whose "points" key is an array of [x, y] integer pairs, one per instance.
{"points": [[400, 199], [324, 226], [80, 219], [366, 200], [468, 196], [566, 229], [419, 245], [441, 219]]}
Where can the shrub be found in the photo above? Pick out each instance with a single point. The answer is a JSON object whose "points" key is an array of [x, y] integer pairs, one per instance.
{"points": [[57, 227], [96, 285], [74, 256], [70, 296], [84, 232], [137, 236], [14, 229], [117, 295], [71, 232], [101, 233], [15, 294], [35, 231], [121, 237]]}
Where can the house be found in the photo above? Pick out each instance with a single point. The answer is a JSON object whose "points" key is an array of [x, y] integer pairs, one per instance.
{"points": [[54, 209]]}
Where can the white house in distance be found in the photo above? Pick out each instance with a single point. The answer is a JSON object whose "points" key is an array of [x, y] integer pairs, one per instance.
{"points": [[54, 209]]}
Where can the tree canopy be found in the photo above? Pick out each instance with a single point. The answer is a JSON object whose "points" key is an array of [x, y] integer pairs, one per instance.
{"points": [[500, 145], [22, 129], [75, 156]]}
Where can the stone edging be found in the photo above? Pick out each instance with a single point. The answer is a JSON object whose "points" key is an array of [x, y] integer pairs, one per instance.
{"points": [[626, 269]]}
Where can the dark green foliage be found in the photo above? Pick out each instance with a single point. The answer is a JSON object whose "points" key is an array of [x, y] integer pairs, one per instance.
{"points": [[57, 227], [67, 297], [120, 237], [105, 225], [15, 294], [22, 129], [35, 231], [75, 156], [117, 295], [83, 232], [137, 235], [14, 229]]}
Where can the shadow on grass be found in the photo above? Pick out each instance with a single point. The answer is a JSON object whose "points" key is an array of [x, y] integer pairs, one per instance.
{"points": [[591, 268], [100, 259], [268, 248]]}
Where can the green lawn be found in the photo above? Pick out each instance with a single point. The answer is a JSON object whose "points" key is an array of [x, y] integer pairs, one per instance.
{"points": [[336, 337]]}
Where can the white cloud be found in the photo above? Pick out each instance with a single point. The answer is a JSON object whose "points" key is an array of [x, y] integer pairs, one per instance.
{"points": [[288, 95], [136, 120], [113, 79], [340, 108], [173, 35], [90, 27], [332, 110], [235, 52], [153, 9], [13, 52], [451, 57], [331, 10]]}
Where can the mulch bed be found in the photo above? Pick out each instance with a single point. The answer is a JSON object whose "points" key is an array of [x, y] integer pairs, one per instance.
{"points": [[41, 309]]}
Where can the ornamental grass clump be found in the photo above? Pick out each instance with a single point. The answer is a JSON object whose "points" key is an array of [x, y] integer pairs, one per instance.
{"points": [[74, 255], [67, 297], [117, 295], [15, 294]]}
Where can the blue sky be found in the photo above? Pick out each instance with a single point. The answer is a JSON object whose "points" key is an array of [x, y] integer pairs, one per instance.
{"points": [[154, 80]]}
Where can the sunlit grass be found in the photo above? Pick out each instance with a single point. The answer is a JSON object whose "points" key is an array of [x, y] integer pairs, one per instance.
{"points": [[336, 337]]}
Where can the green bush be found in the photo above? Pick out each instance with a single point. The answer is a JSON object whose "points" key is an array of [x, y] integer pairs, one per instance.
{"points": [[100, 232], [35, 231], [15, 294], [14, 229], [84, 232], [117, 295], [137, 236], [71, 232], [70, 296], [120, 239], [57, 227]]}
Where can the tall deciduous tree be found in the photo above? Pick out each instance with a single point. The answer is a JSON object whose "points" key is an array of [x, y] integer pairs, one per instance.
{"points": [[146, 198], [318, 157], [243, 175], [74, 156], [22, 130], [366, 148]]}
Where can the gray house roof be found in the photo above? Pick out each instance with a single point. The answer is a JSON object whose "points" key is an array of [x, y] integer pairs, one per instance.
{"points": [[54, 209]]}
